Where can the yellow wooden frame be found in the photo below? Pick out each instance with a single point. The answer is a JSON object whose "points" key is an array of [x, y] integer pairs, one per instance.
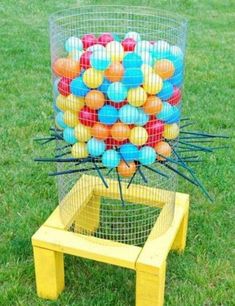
{"points": [[53, 240]]}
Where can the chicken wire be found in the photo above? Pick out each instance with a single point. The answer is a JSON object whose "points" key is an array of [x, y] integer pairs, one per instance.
{"points": [[123, 222]]}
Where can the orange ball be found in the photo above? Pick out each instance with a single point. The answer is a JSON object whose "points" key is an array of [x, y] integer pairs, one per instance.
{"points": [[66, 67], [126, 170], [164, 68], [115, 72], [100, 131], [95, 99], [163, 148], [153, 105], [120, 131]]}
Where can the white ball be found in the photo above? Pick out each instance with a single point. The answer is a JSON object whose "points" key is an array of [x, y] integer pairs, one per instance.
{"points": [[176, 51], [142, 46], [161, 46], [73, 43], [133, 35], [146, 58], [115, 51], [96, 47], [75, 55]]}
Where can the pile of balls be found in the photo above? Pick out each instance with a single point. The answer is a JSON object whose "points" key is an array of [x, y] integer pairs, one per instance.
{"points": [[118, 100]]}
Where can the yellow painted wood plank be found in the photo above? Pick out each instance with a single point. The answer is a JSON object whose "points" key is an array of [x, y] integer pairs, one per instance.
{"points": [[49, 272], [156, 248], [86, 246]]}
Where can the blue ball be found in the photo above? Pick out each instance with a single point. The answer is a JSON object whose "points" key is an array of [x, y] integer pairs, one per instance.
{"points": [[177, 61], [132, 60], [147, 155], [99, 60], [110, 159], [117, 92], [128, 114], [78, 88], [56, 109], [177, 79], [175, 117], [68, 135], [116, 37], [167, 91], [108, 115], [133, 77], [143, 118], [104, 86], [95, 147], [60, 121], [129, 152], [166, 112]]}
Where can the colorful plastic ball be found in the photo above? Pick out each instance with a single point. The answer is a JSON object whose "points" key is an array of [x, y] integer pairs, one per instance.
{"points": [[100, 131], [104, 86], [133, 35], [175, 117], [75, 104], [60, 121], [152, 83], [171, 131], [177, 61], [116, 37], [115, 51], [70, 118], [128, 114], [128, 44], [143, 118], [55, 108], [138, 136], [175, 97], [146, 58], [155, 129], [176, 51], [110, 159], [55, 87], [147, 155], [92, 78], [143, 45], [117, 105], [120, 131], [153, 105], [68, 135], [66, 67], [146, 69], [177, 79], [96, 47], [105, 38], [73, 43], [117, 92], [108, 115], [82, 132], [95, 147], [132, 60], [88, 40], [126, 170], [79, 150], [95, 99], [161, 48], [162, 148], [64, 86], [133, 77], [100, 60], [115, 72], [61, 103], [164, 68], [166, 112], [85, 60], [87, 116], [75, 55], [136, 96], [113, 143], [167, 91], [78, 88], [129, 152]]}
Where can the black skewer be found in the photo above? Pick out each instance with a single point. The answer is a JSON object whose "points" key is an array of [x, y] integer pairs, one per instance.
{"points": [[73, 171], [131, 180], [142, 174], [156, 171], [120, 188], [100, 174]]}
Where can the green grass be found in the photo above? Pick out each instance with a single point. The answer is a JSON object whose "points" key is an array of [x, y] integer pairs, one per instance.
{"points": [[203, 275]]}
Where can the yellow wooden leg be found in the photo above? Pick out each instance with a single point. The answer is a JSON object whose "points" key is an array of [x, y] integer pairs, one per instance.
{"points": [[49, 270], [88, 217], [150, 287]]}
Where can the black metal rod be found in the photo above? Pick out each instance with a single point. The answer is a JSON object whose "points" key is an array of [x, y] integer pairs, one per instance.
{"points": [[73, 171], [180, 174], [56, 160], [100, 174], [156, 171], [204, 134], [120, 188], [132, 178], [142, 175], [205, 149], [62, 154]]}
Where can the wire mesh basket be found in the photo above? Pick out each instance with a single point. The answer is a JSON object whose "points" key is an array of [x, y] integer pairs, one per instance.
{"points": [[117, 86]]}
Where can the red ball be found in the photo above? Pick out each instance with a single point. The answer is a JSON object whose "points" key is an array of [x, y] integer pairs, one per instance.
{"points": [[153, 140], [105, 38], [88, 40], [85, 60], [64, 86], [117, 105], [176, 97], [87, 116], [155, 128], [128, 44], [111, 142]]}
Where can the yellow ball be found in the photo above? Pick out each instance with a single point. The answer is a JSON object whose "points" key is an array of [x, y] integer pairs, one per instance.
{"points": [[74, 103], [61, 103], [82, 132], [75, 55], [70, 118], [136, 96], [115, 51], [146, 69], [171, 131], [152, 83], [138, 136], [93, 78], [79, 150]]}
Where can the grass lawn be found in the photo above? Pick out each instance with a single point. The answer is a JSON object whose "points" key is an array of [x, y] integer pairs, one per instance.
{"points": [[203, 275]]}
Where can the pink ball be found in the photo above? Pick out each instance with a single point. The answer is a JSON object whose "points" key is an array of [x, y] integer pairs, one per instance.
{"points": [[117, 105], [64, 86], [155, 129], [176, 97], [128, 44], [105, 38], [88, 40], [87, 116], [85, 59]]}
